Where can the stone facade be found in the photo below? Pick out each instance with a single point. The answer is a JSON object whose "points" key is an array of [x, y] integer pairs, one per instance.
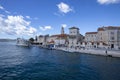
{"points": [[91, 39], [75, 38], [42, 39], [58, 39], [105, 37]]}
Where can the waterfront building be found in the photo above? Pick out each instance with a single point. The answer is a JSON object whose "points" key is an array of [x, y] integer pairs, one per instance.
{"points": [[105, 37], [75, 38], [91, 39], [57, 39], [42, 39], [112, 37], [61, 38]]}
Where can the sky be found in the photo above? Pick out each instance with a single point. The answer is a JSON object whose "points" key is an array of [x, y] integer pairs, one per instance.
{"points": [[28, 18]]}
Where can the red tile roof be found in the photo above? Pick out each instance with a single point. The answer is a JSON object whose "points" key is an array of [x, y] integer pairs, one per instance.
{"points": [[60, 36], [112, 27], [100, 29], [55, 35], [109, 28], [91, 33], [51, 42]]}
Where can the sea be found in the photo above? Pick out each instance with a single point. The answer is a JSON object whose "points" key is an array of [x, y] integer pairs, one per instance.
{"points": [[35, 63]]}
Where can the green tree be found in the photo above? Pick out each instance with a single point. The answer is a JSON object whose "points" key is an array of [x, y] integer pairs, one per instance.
{"points": [[31, 40]]}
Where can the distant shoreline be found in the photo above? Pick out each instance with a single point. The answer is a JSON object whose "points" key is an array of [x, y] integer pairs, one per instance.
{"points": [[7, 40]]}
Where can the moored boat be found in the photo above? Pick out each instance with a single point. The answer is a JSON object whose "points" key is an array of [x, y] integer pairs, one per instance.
{"points": [[22, 42]]}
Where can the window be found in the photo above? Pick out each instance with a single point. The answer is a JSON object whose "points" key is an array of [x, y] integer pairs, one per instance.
{"points": [[112, 33], [92, 35], [112, 38]]}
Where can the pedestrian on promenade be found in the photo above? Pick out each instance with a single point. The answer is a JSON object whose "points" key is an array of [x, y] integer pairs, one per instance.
{"points": [[106, 52]]}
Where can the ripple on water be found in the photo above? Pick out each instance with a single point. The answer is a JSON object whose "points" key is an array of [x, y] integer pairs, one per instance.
{"points": [[34, 63]]}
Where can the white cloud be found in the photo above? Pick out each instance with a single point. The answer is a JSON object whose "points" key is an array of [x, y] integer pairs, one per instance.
{"points": [[57, 14], [45, 28], [28, 17], [108, 1], [1, 15], [2, 8], [16, 25], [32, 30], [36, 18], [7, 12], [64, 8], [64, 25]]}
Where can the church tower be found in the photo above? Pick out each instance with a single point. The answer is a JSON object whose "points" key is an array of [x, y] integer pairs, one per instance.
{"points": [[62, 30]]}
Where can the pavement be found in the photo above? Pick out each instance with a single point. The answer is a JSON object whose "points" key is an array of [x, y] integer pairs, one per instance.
{"points": [[104, 52]]}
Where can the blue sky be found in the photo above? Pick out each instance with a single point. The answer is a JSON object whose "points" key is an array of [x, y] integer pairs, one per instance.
{"points": [[27, 18]]}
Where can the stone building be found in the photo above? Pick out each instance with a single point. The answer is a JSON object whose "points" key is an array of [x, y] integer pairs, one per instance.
{"points": [[42, 39], [110, 36], [75, 38], [91, 39], [105, 37], [61, 38], [57, 39]]}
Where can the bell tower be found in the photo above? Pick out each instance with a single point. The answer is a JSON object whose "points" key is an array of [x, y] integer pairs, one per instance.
{"points": [[62, 30]]}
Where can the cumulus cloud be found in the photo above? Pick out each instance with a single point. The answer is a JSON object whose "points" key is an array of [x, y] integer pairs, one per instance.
{"points": [[16, 25], [108, 1], [64, 25], [45, 28], [64, 8]]}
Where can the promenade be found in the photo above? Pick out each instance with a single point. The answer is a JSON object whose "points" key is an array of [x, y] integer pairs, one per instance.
{"points": [[103, 52]]}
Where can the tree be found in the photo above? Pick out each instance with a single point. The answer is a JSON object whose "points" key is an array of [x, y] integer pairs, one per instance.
{"points": [[31, 40]]}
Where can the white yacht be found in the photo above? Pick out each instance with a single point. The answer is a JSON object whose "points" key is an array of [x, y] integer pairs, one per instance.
{"points": [[22, 42]]}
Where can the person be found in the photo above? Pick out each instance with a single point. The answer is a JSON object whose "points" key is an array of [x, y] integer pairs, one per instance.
{"points": [[106, 52]]}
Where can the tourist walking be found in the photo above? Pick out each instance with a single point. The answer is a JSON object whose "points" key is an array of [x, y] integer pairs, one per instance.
{"points": [[106, 52]]}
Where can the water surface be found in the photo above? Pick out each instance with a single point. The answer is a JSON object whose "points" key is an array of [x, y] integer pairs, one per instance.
{"points": [[34, 63]]}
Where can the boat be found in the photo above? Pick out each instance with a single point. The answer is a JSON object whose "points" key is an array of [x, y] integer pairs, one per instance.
{"points": [[22, 42]]}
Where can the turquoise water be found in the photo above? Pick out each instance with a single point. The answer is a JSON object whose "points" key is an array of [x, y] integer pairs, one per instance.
{"points": [[34, 63]]}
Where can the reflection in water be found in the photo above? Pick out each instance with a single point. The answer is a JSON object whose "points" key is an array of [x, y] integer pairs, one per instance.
{"points": [[34, 63]]}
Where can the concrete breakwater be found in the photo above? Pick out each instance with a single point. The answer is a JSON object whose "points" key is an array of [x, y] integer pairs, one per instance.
{"points": [[103, 52], [94, 51]]}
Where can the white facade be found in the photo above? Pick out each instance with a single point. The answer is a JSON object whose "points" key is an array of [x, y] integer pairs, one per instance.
{"points": [[106, 37], [73, 31], [42, 39], [113, 38], [74, 37], [59, 41], [91, 37]]}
